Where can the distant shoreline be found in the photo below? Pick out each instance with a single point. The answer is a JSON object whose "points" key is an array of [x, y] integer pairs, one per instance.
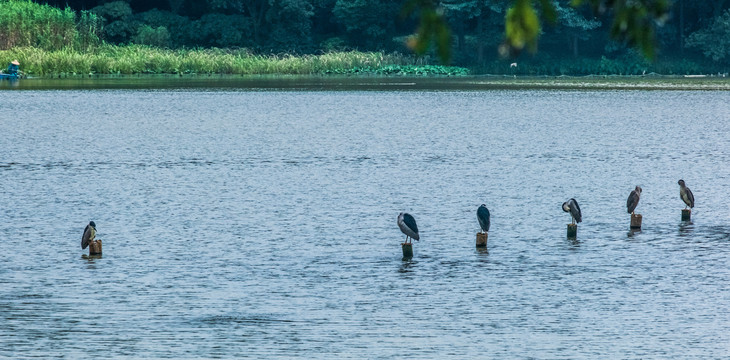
{"points": [[323, 82], [139, 59]]}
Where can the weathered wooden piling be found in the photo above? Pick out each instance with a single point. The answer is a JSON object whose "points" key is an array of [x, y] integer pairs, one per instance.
{"points": [[95, 247], [407, 250], [572, 231], [482, 239], [686, 214], [636, 221]]}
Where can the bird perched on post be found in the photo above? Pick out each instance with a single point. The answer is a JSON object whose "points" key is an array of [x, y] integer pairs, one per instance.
{"points": [[89, 235], [571, 206], [633, 200], [407, 225], [686, 194], [483, 217]]}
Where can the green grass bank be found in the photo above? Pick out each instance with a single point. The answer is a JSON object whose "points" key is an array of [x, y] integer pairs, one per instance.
{"points": [[140, 59], [107, 59]]}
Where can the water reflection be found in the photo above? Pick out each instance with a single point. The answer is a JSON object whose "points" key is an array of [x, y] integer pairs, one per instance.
{"points": [[316, 82], [406, 265], [573, 242], [633, 233], [686, 228], [482, 250], [11, 83]]}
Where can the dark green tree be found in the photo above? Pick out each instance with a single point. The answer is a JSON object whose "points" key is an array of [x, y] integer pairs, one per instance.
{"points": [[255, 10], [222, 30], [575, 25], [273, 24], [477, 24], [291, 25], [369, 24], [154, 36], [714, 39], [178, 27], [633, 21], [119, 25]]}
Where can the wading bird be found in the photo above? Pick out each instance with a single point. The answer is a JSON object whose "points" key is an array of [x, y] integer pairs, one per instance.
{"points": [[483, 217], [571, 206], [633, 200], [89, 235], [686, 194], [407, 225]]}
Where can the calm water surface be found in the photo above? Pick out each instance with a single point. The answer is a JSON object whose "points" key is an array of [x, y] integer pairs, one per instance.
{"points": [[262, 224]]}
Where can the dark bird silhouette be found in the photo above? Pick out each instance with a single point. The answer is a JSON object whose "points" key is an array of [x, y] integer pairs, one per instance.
{"points": [[633, 200], [89, 235], [686, 194], [407, 225], [483, 217], [571, 206]]}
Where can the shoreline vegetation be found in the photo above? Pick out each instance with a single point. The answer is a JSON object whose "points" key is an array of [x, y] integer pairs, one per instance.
{"points": [[132, 59], [51, 42], [142, 59]]}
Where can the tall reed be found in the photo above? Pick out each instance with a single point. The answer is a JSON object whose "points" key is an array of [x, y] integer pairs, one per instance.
{"points": [[25, 23], [139, 59]]}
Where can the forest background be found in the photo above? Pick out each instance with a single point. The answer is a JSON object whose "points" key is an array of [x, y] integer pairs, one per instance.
{"points": [[96, 36]]}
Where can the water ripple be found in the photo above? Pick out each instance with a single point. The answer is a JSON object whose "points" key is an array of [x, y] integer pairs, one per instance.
{"points": [[254, 229]]}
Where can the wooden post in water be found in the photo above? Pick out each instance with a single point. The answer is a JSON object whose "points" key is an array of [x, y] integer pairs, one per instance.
{"points": [[636, 221], [482, 239], [407, 250], [686, 214], [95, 247], [572, 231]]}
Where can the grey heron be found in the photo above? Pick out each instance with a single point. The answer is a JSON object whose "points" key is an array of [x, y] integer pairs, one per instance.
{"points": [[483, 217], [407, 225], [686, 194], [571, 206], [89, 235], [633, 200]]}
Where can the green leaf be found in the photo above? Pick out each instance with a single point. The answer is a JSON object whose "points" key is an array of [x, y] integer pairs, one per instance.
{"points": [[549, 11], [522, 26], [432, 28]]}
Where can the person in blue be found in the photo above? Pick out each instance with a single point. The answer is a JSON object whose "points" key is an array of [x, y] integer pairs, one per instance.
{"points": [[14, 67]]}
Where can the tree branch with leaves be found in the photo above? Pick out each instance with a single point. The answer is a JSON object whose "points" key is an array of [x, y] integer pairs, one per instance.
{"points": [[632, 22]]}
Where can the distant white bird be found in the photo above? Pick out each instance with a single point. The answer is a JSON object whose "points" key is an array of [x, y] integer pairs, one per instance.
{"points": [[633, 200], [572, 207], [686, 194], [89, 235], [513, 65], [407, 225]]}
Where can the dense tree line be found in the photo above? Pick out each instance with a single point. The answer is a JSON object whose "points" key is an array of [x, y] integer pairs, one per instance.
{"points": [[692, 29]]}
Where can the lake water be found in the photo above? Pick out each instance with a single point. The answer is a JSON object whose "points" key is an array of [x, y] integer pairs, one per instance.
{"points": [[261, 222]]}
